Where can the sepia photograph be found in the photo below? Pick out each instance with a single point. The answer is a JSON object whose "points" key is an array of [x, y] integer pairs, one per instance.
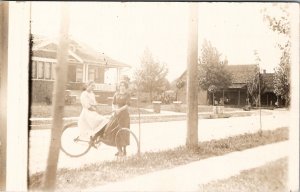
{"points": [[149, 96]]}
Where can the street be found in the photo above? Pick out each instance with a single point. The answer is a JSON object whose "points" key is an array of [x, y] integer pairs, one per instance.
{"points": [[156, 136]]}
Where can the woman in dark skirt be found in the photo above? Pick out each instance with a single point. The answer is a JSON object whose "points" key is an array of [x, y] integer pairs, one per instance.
{"points": [[120, 119]]}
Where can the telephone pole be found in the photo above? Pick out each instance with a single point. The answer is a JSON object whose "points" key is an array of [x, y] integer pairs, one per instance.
{"points": [[58, 100], [192, 82]]}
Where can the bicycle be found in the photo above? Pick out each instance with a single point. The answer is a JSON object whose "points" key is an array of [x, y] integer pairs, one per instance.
{"points": [[73, 146]]}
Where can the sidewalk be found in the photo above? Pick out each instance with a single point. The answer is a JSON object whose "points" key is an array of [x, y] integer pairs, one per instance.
{"points": [[189, 177]]}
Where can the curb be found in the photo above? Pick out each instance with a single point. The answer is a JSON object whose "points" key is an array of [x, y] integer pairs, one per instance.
{"points": [[45, 123]]}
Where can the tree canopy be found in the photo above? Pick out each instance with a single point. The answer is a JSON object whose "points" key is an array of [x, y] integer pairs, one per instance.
{"points": [[256, 84], [280, 23], [151, 75], [212, 71]]}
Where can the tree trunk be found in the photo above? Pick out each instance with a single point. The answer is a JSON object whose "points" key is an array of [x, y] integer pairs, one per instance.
{"points": [[192, 84], [58, 101]]}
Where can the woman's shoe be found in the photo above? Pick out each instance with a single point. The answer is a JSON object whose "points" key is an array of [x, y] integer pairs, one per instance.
{"points": [[120, 154]]}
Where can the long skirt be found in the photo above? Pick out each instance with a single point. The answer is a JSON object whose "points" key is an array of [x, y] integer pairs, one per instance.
{"points": [[115, 123]]}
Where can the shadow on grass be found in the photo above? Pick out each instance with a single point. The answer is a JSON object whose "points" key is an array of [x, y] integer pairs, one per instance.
{"points": [[109, 171]]}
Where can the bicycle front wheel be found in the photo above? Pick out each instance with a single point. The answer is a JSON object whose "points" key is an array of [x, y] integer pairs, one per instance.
{"points": [[71, 144]]}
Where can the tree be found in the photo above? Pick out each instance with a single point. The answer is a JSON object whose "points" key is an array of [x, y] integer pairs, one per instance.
{"points": [[151, 75], [256, 85], [179, 85], [280, 23], [212, 71]]}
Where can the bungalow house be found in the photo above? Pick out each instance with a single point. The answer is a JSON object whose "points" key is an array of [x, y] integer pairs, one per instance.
{"points": [[236, 93], [179, 85], [84, 64], [268, 97]]}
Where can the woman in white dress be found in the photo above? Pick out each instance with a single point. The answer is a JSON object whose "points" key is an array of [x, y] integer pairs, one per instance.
{"points": [[90, 122]]}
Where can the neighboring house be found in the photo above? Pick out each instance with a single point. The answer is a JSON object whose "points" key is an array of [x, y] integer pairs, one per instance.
{"points": [[84, 64], [181, 92], [236, 93], [268, 97]]}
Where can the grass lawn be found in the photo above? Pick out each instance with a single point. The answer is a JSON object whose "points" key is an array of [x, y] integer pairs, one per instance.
{"points": [[43, 110], [271, 177], [104, 172]]}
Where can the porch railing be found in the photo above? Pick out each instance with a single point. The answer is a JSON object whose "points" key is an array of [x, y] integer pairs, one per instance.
{"points": [[105, 87]]}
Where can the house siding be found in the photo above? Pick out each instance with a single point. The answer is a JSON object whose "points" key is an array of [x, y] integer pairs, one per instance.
{"points": [[202, 96]]}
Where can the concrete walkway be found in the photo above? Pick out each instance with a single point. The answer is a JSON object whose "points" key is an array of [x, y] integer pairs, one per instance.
{"points": [[191, 176]]}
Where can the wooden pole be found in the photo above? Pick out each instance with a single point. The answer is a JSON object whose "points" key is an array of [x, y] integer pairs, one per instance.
{"points": [[259, 102], [239, 101], [139, 112], [192, 82], [58, 100], [4, 12]]}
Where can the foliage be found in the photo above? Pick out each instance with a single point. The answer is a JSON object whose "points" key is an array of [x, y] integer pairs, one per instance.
{"points": [[212, 71], [151, 76], [282, 79], [256, 85], [180, 84], [280, 23]]}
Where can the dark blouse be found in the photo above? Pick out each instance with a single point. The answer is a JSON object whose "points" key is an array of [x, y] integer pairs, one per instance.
{"points": [[121, 99]]}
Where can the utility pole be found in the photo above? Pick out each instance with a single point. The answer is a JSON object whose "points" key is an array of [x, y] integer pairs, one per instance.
{"points": [[58, 100], [192, 80]]}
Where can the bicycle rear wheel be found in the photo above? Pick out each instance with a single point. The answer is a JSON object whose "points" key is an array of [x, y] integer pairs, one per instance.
{"points": [[134, 147], [71, 144]]}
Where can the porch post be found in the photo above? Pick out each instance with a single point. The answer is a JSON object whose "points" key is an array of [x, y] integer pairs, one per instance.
{"points": [[83, 72], [239, 98], [87, 73], [118, 75]]}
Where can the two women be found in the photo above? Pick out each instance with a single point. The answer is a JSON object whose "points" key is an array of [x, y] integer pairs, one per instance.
{"points": [[90, 121]]}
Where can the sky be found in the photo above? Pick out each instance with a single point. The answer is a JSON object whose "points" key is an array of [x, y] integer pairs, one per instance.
{"points": [[124, 30]]}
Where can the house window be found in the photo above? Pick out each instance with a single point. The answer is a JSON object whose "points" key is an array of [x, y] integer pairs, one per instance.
{"points": [[34, 70], [40, 71], [79, 74], [97, 69], [47, 70], [53, 73], [91, 73]]}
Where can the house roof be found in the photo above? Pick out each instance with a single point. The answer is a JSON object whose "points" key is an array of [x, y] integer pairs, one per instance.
{"points": [[242, 73], [46, 48], [48, 54], [268, 80]]}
